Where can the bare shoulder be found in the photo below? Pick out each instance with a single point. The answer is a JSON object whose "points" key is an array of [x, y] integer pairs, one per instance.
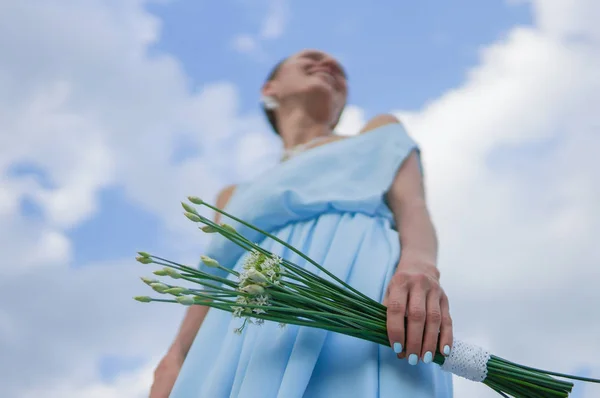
{"points": [[379, 121]]}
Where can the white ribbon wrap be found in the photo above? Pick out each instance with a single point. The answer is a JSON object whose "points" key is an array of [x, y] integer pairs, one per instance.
{"points": [[467, 360]]}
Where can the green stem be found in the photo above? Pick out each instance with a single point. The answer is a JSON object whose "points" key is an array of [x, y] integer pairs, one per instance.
{"points": [[191, 270], [566, 376], [243, 242], [496, 388], [294, 321], [510, 389], [526, 384], [329, 309], [345, 294], [345, 302], [496, 368], [288, 246], [334, 307]]}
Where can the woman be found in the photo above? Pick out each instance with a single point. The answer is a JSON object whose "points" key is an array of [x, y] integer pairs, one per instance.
{"points": [[339, 201]]}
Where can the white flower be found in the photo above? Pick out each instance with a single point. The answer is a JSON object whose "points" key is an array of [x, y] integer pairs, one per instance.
{"points": [[272, 269], [238, 330], [259, 321], [262, 300], [237, 311], [253, 259], [271, 273], [273, 263], [243, 278]]}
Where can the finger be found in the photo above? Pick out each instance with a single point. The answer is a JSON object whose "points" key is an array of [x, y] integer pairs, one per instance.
{"points": [[446, 333], [416, 323], [396, 310], [433, 321]]}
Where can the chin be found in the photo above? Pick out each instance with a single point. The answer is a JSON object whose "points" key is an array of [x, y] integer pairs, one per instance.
{"points": [[321, 91], [321, 96]]}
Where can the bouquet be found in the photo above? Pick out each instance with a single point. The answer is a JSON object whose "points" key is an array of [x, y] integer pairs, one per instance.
{"points": [[270, 288]]}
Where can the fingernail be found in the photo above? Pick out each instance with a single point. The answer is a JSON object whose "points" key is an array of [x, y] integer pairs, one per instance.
{"points": [[413, 359], [446, 350], [428, 357], [397, 348]]}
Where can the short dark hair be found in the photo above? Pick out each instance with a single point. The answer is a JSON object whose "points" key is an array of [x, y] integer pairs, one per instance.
{"points": [[268, 112]]}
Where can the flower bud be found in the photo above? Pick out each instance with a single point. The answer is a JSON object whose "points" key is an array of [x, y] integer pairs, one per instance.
{"points": [[171, 272], [143, 260], [159, 287], [256, 276], [160, 272], [254, 290], [195, 200], [208, 229], [143, 254], [209, 262], [148, 281], [175, 291], [188, 208], [192, 217], [229, 228], [143, 299], [185, 300]]}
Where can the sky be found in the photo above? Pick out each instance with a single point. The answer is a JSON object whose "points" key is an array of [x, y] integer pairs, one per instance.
{"points": [[112, 112]]}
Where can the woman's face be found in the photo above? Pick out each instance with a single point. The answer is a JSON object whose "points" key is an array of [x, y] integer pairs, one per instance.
{"points": [[313, 77]]}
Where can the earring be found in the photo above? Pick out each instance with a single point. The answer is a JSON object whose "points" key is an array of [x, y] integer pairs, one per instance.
{"points": [[269, 102]]}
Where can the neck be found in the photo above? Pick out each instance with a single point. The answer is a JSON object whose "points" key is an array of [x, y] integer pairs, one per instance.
{"points": [[298, 128]]}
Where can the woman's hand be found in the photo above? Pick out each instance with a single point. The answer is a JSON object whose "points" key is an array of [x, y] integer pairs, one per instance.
{"points": [[166, 374], [418, 312]]}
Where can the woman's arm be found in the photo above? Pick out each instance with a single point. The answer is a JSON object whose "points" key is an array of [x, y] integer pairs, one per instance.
{"points": [[167, 370], [414, 290], [196, 313], [407, 201]]}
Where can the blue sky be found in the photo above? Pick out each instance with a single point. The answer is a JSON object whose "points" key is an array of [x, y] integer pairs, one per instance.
{"points": [[427, 45], [112, 112], [425, 52]]}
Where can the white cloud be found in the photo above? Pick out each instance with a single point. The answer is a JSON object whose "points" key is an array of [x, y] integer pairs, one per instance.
{"points": [[133, 385], [80, 98], [100, 112], [244, 43], [61, 322], [351, 121], [272, 27], [275, 20], [513, 183], [568, 20]]}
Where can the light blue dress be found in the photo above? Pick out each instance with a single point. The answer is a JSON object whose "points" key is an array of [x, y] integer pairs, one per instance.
{"points": [[329, 202]]}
